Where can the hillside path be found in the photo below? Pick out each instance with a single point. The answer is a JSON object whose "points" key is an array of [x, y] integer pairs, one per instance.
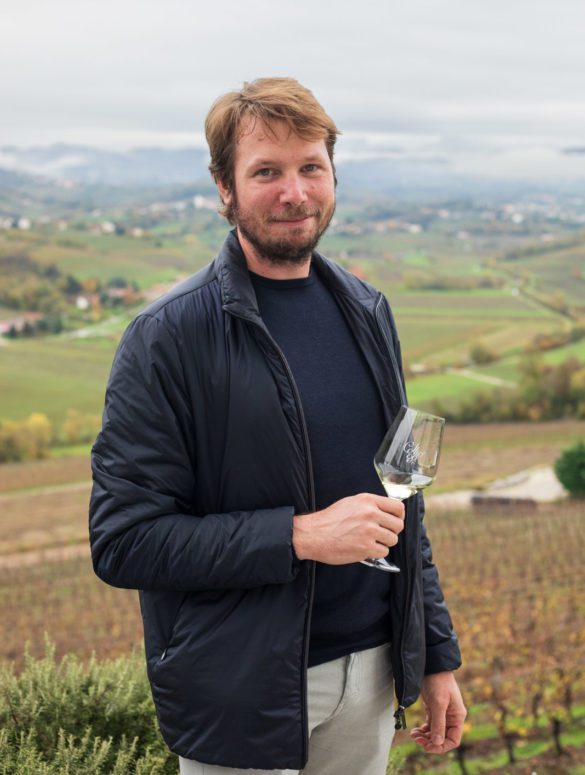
{"points": [[497, 381]]}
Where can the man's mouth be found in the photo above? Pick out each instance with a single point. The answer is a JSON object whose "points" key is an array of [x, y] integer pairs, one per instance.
{"points": [[294, 219]]}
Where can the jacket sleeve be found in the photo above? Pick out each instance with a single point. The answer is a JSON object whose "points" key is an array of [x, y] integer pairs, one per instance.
{"points": [[143, 533], [442, 648]]}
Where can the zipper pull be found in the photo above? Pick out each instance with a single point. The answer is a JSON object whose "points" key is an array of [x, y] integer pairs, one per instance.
{"points": [[400, 718]]}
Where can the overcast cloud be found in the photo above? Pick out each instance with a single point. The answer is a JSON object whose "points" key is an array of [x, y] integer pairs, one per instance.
{"points": [[461, 78]]}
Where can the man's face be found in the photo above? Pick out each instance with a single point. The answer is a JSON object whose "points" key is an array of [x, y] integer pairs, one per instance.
{"points": [[284, 193]]}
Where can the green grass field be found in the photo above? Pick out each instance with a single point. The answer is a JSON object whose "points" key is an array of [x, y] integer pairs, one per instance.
{"points": [[471, 303], [508, 368], [440, 327], [557, 270], [52, 375], [442, 387], [437, 328], [574, 350], [145, 261]]}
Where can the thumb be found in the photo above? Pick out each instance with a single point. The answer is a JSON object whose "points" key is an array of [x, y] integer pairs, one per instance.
{"points": [[438, 727]]}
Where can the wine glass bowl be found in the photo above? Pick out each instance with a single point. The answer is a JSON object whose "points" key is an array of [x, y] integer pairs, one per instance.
{"points": [[407, 459]]}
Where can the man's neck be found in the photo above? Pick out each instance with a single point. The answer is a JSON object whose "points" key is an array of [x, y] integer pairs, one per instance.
{"points": [[267, 269]]}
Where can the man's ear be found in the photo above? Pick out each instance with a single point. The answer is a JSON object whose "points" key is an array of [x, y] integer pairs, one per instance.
{"points": [[224, 191]]}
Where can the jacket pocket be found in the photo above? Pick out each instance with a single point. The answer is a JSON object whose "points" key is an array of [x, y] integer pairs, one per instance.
{"points": [[161, 612], [173, 628]]}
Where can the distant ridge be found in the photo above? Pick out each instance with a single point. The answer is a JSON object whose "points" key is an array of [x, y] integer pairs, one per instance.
{"points": [[403, 174], [84, 164]]}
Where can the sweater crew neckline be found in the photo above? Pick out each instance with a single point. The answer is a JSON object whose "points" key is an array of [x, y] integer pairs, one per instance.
{"points": [[282, 285]]}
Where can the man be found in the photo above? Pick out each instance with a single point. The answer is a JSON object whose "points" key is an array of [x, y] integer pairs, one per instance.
{"points": [[234, 485]]}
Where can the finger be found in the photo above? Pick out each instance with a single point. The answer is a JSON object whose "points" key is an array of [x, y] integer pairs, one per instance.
{"points": [[422, 730], [377, 552], [438, 723], [391, 522], [449, 745], [390, 506], [420, 742], [455, 732], [422, 736], [386, 537], [425, 742], [382, 551]]}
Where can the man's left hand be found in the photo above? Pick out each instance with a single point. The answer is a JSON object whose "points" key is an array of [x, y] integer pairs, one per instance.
{"points": [[445, 715]]}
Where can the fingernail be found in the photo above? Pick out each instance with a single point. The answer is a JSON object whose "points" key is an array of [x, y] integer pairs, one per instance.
{"points": [[437, 740]]}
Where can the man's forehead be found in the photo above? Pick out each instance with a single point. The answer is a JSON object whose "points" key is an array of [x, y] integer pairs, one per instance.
{"points": [[255, 131]]}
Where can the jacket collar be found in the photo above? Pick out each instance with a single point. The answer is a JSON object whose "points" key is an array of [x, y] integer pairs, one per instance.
{"points": [[237, 292]]}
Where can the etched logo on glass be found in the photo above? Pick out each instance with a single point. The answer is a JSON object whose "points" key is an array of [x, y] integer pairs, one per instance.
{"points": [[412, 452]]}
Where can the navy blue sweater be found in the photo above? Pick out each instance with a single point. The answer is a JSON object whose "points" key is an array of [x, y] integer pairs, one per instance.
{"points": [[345, 423]]}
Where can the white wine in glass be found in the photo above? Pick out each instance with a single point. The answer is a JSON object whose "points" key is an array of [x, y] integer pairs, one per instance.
{"points": [[407, 460]]}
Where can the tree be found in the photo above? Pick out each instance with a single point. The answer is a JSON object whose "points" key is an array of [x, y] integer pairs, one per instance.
{"points": [[481, 354], [570, 469], [117, 282], [71, 286]]}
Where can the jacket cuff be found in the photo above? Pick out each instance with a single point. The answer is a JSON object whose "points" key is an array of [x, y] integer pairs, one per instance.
{"points": [[443, 656], [295, 562], [275, 527]]}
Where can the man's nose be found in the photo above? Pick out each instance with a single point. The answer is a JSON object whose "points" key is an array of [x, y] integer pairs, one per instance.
{"points": [[293, 190]]}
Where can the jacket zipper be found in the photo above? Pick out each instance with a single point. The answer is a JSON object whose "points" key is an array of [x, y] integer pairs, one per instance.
{"points": [[390, 352], [312, 507], [399, 715]]}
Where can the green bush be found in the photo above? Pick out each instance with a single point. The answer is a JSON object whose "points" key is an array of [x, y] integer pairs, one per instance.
{"points": [[70, 718], [570, 469], [481, 354], [73, 756]]}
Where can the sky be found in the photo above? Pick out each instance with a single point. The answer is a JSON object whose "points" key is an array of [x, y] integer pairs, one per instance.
{"points": [[496, 86]]}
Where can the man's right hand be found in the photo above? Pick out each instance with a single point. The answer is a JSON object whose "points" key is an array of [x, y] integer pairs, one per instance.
{"points": [[350, 530]]}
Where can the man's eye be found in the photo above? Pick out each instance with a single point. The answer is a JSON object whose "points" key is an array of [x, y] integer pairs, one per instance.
{"points": [[311, 167], [265, 172]]}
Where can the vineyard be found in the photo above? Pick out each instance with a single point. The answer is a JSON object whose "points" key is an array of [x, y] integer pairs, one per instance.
{"points": [[515, 583]]}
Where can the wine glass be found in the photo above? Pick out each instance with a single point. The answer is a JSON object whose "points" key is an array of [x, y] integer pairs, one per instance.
{"points": [[407, 460]]}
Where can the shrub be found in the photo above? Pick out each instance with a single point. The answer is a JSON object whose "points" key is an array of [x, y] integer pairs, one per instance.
{"points": [[68, 717], [545, 392], [87, 755], [30, 439], [25, 439], [570, 469], [78, 428], [481, 354]]}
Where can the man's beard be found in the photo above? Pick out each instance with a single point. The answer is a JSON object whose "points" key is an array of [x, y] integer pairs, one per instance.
{"points": [[282, 251]]}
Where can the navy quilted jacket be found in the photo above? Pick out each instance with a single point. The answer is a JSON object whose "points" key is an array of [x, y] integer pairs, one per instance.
{"points": [[202, 461]]}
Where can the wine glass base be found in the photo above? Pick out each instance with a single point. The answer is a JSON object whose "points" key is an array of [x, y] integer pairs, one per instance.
{"points": [[381, 564]]}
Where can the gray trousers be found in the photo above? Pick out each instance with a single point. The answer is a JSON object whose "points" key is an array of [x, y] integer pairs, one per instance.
{"points": [[351, 722]]}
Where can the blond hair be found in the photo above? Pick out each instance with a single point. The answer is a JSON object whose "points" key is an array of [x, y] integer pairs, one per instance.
{"points": [[266, 100]]}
